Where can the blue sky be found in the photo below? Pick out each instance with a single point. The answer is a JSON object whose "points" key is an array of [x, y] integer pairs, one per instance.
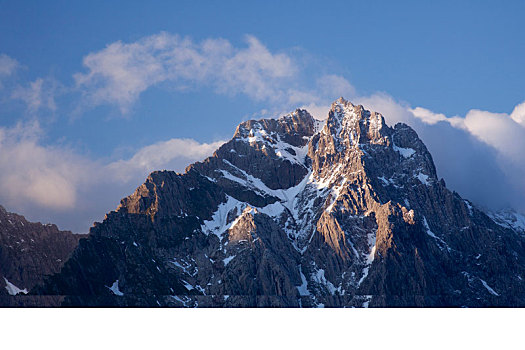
{"points": [[87, 89]]}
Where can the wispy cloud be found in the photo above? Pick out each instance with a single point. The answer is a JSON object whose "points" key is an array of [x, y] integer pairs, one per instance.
{"points": [[39, 179], [122, 71], [8, 66], [118, 74], [31, 172], [172, 154], [36, 95], [39, 94]]}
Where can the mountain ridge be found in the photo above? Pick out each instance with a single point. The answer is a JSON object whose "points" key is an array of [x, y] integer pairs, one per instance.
{"points": [[293, 213]]}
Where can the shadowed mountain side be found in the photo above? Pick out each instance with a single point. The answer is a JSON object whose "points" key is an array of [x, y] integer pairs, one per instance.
{"points": [[28, 252]]}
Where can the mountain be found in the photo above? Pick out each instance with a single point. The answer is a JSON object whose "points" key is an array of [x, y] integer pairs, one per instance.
{"points": [[295, 212], [28, 252]]}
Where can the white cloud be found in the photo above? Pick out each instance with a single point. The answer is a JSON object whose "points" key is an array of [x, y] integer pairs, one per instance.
{"points": [[44, 181], [503, 132], [47, 176], [497, 130], [253, 71], [427, 116], [118, 74], [39, 94], [317, 100], [431, 118], [518, 114], [317, 111], [121, 72], [332, 85], [393, 111], [8, 66], [172, 154]]}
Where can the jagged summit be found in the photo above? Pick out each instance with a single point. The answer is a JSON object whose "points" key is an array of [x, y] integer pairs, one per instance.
{"points": [[293, 213], [297, 122], [289, 130], [348, 122]]}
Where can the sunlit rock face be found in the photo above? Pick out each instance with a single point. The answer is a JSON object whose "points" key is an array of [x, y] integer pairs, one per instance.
{"points": [[295, 212]]}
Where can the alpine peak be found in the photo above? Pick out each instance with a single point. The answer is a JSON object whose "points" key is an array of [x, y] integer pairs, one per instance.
{"points": [[290, 214]]}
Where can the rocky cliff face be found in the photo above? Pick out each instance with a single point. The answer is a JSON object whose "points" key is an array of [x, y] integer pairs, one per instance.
{"points": [[28, 252], [296, 212]]}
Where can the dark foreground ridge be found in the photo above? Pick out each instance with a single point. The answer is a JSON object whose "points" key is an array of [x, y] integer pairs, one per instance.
{"points": [[294, 212], [28, 252]]}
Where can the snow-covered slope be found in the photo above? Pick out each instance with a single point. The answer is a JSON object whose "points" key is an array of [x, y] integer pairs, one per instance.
{"points": [[510, 219]]}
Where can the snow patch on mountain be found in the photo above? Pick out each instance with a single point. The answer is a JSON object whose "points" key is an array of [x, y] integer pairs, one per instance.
{"points": [[369, 257], [469, 206], [273, 210], [491, 291], [219, 221], [509, 219], [405, 152], [319, 277], [441, 243], [423, 178], [115, 289], [427, 228], [272, 140], [303, 288], [187, 285], [12, 289], [227, 260]]}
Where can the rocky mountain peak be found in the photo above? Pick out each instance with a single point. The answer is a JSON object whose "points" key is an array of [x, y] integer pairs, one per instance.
{"points": [[293, 128], [290, 214], [355, 123]]}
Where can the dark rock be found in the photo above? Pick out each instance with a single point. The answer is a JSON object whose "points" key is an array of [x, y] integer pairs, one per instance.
{"points": [[28, 252]]}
